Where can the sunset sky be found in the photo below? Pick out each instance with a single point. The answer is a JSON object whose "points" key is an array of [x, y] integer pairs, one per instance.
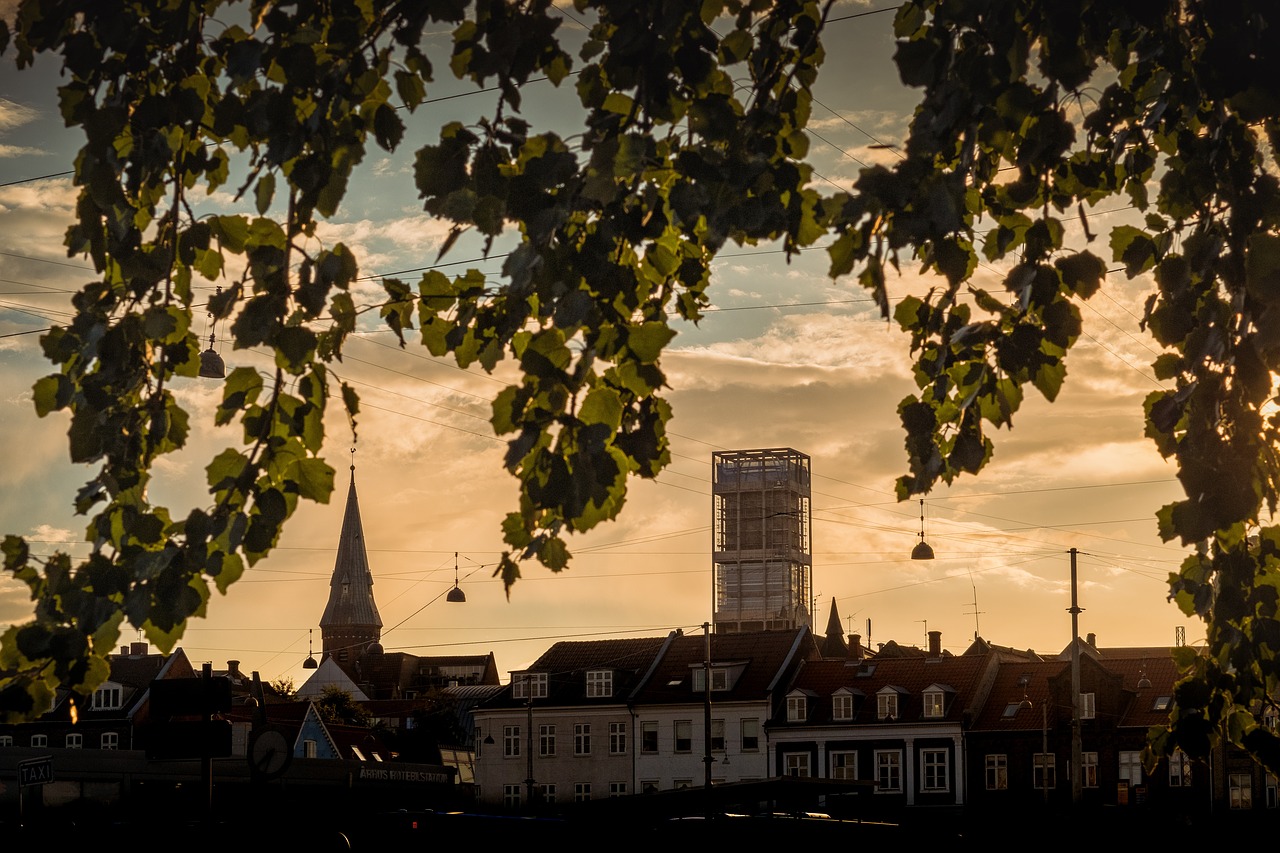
{"points": [[788, 358]]}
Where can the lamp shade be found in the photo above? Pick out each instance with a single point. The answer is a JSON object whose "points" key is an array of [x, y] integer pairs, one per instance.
{"points": [[211, 365]]}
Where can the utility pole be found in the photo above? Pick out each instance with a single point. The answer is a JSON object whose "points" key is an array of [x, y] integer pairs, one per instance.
{"points": [[706, 716], [1075, 687]]}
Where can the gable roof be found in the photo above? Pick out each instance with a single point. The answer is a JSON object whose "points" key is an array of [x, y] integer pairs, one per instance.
{"points": [[329, 674]]}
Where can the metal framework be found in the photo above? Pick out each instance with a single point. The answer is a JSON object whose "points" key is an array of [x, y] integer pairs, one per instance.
{"points": [[762, 564]]}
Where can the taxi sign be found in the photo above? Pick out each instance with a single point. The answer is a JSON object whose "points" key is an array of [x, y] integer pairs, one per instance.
{"points": [[35, 771]]}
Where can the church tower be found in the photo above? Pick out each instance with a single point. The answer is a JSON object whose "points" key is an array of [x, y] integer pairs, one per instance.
{"points": [[350, 623]]}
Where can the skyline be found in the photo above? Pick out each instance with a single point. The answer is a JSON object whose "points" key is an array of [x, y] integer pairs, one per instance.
{"points": [[812, 355]]}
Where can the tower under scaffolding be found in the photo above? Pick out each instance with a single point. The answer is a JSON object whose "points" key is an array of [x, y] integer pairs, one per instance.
{"points": [[761, 529]]}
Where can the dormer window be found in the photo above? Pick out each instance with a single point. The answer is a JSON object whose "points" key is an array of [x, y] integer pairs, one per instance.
{"points": [[935, 700], [528, 685], [719, 679], [797, 708], [108, 697], [842, 706], [599, 683], [887, 704]]}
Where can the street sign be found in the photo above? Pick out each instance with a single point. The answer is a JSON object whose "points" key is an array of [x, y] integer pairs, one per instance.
{"points": [[35, 771]]}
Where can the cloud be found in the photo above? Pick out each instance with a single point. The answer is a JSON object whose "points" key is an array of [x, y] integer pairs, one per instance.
{"points": [[18, 151], [14, 115]]}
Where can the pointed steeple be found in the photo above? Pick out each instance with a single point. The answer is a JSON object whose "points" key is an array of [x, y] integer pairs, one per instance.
{"points": [[350, 623], [834, 646]]}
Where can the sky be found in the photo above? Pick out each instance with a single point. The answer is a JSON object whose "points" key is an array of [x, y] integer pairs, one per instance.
{"points": [[787, 358]]}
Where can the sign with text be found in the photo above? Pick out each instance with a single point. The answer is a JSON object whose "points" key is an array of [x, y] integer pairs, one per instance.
{"points": [[35, 771]]}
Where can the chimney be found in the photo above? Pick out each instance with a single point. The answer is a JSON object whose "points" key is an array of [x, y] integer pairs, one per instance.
{"points": [[1092, 639], [233, 670], [124, 651], [138, 649], [935, 644], [855, 647]]}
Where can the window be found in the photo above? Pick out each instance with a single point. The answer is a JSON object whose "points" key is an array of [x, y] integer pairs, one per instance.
{"points": [[1087, 710], [6, 740], [617, 738], [934, 704], [719, 680], [107, 698], [797, 764], [649, 736], [1273, 791], [1088, 770], [1179, 769], [599, 683], [684, 736], [844, 765], [750, 735], [1161, 703], [796, 710], [649, 786], [75, 741], [1044, 771], [1241, 790], [887, 706], [511, 741], [511, 796], [548, 792], [997, 772], [109, 740], [888, 771], [617, 789], [308, 749], [842, 706], [581, 738], [681, 783], [935, 774], [524, 683], [39, 740], [581, 792], [717, 735], [1131, 768], [546, 741]]}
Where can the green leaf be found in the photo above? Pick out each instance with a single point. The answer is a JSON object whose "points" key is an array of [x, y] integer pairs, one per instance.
{"points": [[314, 479], [647, 340]]}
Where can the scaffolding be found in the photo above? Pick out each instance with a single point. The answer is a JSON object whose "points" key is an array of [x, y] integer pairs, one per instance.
{"points": [[761, 528]]}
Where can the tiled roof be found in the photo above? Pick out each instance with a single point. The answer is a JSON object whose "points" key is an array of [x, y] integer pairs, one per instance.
{"points": [[961, 676], [1015, 681], [762, 652], [567, 663], [1031, 680]]}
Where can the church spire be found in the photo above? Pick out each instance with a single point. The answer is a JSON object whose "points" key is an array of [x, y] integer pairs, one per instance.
{"points": [[350, 623]]}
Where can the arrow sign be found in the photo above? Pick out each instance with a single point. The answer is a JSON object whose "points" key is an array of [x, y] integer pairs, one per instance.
{"points": [[35, 771]]}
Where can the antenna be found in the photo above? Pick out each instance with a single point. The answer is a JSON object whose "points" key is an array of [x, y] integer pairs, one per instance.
{"points": [[926, 631], [977, 631]]}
